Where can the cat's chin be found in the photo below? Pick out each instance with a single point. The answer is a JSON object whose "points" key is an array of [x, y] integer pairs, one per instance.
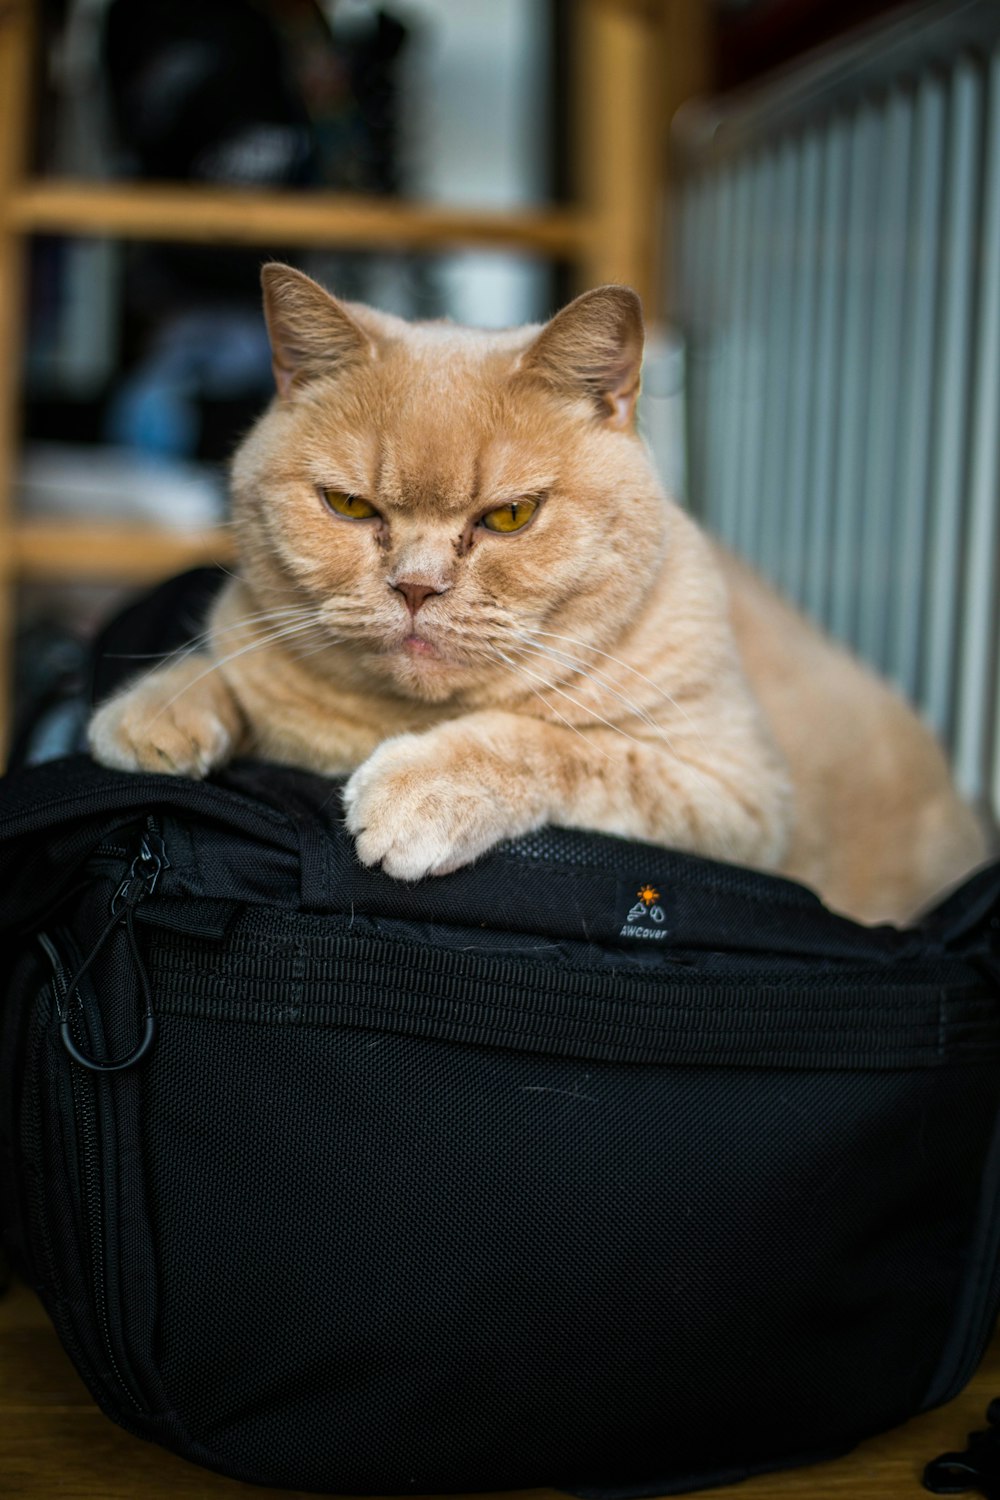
{"points": [[418, 669]]}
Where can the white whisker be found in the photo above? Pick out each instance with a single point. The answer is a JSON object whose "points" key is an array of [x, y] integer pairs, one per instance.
{"points": [[593, 675], [695, 770], [330, 640], [197, 641], [300, 627], [590, 712], [617, 661], [551, 707]]}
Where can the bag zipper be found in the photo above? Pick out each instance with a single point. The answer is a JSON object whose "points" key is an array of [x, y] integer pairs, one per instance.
{"points": [[88, 1154], [140, 882]]}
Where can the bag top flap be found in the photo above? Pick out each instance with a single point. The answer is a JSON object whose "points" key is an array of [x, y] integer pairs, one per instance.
{"points": [[262, 833]]}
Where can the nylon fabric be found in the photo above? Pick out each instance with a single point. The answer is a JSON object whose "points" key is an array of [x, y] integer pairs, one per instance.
{"points": [[514, 1270]]}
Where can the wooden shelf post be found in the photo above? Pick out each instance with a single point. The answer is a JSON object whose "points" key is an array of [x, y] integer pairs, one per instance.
{"points": [[619, 149], [16, 65]]}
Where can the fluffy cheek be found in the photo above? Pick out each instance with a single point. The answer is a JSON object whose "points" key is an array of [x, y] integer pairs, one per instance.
{"points": [[532, 575], [296, 546]]}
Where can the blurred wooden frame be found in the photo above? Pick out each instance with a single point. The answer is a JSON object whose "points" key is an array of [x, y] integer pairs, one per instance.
{"points": [[634, 62]]}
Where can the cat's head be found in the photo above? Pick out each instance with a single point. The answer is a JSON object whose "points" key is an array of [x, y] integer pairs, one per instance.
{"points": [[441, 495]]}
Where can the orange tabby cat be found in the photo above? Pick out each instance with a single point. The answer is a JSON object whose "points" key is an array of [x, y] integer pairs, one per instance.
{"points": [[461, 582]]}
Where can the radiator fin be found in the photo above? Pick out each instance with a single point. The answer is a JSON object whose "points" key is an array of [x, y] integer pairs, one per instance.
{"points": [[839, 290]]}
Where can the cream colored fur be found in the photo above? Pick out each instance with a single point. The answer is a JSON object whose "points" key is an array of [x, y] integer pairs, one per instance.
{"points": [[602, 668]]}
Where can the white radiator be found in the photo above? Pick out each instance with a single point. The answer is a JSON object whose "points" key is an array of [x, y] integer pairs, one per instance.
{"points": [[838, 287]]}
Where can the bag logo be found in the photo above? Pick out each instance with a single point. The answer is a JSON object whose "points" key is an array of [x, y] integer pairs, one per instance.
{"points": [[646, 919]]}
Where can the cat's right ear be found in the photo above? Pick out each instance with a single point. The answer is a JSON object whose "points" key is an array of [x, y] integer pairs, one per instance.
{"points": [[593, 349], [311, 333]]}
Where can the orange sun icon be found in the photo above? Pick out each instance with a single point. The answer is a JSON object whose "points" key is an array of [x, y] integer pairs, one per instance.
{"points": [[647, 895]]}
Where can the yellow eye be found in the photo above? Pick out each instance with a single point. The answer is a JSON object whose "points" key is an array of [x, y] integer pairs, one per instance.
{"points": [[351, 506], [510, 517]]}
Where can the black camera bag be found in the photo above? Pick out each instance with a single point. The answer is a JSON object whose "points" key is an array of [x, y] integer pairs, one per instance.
{"points": [[502, 1179]]}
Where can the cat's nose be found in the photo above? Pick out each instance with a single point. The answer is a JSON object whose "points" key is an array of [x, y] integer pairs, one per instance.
{"points": [[416, 591]]}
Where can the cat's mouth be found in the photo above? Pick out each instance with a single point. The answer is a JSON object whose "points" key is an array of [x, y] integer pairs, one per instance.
{"points": [[417, 645], [419, 659], [420, 667]]}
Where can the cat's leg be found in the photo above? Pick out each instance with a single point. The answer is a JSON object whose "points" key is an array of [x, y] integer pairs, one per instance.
{"points": [[428, 803], [181, 719]]}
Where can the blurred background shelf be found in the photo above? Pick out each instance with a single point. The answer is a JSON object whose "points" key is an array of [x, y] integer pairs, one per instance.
{"points": [[151, 211], [482, 162], [55, 550]]}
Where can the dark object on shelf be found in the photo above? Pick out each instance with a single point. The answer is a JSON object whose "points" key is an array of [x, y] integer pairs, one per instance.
{"points": [[202, 91], [255, 93], [205, 93], [243, 93]]}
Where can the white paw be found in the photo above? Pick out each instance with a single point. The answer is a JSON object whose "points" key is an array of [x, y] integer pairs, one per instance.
{"points": [[422, 805], [142, 730]]}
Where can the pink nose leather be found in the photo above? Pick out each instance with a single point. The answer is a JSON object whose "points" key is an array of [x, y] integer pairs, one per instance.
{"points": [[414, 592]]}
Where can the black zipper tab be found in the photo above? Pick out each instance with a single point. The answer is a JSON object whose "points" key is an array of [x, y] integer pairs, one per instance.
{"points": [[144, 873], [140, 882]]}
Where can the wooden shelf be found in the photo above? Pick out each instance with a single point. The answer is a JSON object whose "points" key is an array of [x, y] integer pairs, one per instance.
{"points": [[146, 211], [60, 550]]}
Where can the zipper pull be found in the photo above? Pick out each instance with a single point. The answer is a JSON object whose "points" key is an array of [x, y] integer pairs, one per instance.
{"points": [[140, 882], [145, 871]]}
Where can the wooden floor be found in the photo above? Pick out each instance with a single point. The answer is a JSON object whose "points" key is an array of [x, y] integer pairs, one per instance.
{"points": [[55, 1443]]}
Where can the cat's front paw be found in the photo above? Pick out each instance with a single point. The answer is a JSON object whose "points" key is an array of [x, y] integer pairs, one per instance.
{"points": [[171, 722], [426, 804]]}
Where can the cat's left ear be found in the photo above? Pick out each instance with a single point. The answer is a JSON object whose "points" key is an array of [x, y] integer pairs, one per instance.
{"points": [[311, 333], [593, 348]]}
